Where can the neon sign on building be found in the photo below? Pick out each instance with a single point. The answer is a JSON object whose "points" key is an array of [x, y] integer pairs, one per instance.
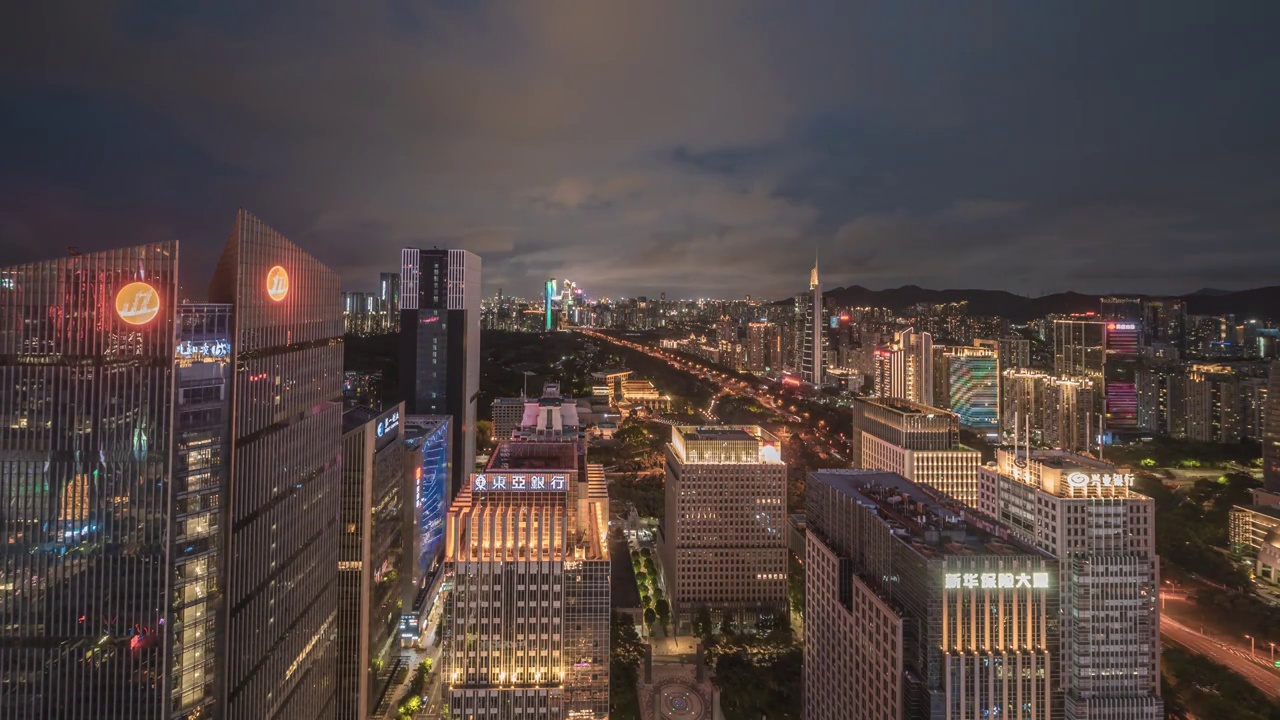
{"points": [[137, 303], [518, 482], [996, 581], [277, 283]]}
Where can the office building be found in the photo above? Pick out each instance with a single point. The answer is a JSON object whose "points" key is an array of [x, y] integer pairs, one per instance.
{"points": [[1047, 410], [1083, 512], [813, 333], [551, 417], [916, 441], [1271, 439], [528, 634], [723, 541], [101, 449], [144, 514], [373, 567], [284, 493], [916, 607], [440, 345], [904, 370], [1165, 321], [507, 413]]}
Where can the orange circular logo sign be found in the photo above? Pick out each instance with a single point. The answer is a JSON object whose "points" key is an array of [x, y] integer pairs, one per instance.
{"points": [[277, 283], [137, 303]]}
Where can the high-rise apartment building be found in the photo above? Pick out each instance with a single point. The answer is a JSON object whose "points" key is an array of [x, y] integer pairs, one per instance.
{"points": [[1165, 320], [528, 633], [724, 540], [916, 441], [373, 567], [1083, 512], [1271, 439], [813, 335], [763, 346], [918, 608], [1079, 347], [154, 450], [904, 370], [1051, 411], [284, 493], [440, 345]]}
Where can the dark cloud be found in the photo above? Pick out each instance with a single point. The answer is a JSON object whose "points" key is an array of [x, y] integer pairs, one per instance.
{"points": [[693, 148]]}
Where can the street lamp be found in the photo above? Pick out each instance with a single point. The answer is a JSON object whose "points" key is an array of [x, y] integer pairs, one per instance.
{"points": [[1273, 652], [1251, 644]]}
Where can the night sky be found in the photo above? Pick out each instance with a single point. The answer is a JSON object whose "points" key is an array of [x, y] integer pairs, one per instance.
{"points": [[701, 148]]}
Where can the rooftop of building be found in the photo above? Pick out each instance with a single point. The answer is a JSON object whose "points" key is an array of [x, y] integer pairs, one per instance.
{"points": [[905, 407], [1270, 511], [416, 426], [517, 455], [515, 401], [358, 416], [932, 524], [715, 433], [1067, 460]]}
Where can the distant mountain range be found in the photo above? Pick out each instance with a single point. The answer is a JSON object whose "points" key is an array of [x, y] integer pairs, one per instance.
{"points": [[1259, 303]]}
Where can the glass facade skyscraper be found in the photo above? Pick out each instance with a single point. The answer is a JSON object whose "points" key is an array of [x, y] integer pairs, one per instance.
{"points": [[87, 579], [283, 496], [440, 345]]}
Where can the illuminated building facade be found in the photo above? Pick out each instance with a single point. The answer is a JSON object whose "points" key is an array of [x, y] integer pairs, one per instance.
{"points": [[916, 441], [813, 333], [764, 348], [372, 562], [1083, 512], [529, 613], [284, 492], [88, 585], [724, 535], [548, 307], [440, 345], [974, 386], [916, 607], [1271, 438], [1052, 411], [904, 370], [428, 453], [155, 454]]}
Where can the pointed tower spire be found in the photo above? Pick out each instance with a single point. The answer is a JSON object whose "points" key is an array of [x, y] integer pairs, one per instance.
{"points": [[813, 276]]}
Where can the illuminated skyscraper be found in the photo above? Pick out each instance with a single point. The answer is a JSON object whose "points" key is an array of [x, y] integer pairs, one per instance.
{"points": [[529, 613], [88, 586], [905, 369], [284, 493], [170, 482], [1271, 438], [917, 608], [724, 544], [1083, 512], [440, 345], [763, 349], [814, 335]]}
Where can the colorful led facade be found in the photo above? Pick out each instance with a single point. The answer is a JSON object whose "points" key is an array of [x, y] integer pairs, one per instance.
{"points": [[975, 388], [440, 345]]}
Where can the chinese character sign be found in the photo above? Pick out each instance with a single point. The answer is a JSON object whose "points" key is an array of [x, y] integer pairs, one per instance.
{"points": [[519, 482], [996, 581], [1081, 480]]}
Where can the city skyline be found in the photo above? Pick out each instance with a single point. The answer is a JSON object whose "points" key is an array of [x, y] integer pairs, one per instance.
{"points": [[556, 141]]}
